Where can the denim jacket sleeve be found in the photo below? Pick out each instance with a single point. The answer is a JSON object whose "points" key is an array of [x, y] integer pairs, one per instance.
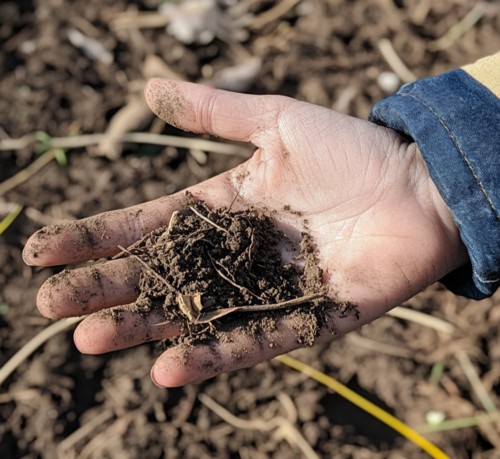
{"points": [[455, 120]]}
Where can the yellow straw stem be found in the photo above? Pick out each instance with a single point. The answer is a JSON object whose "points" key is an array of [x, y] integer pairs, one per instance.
{"points": [[9, 219], [365, 405]]}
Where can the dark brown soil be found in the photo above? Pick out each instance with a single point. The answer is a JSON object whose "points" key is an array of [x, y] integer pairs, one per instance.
{"points": [[220, 272], [326, 52]]}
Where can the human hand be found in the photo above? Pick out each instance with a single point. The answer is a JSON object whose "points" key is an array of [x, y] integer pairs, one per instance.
{"points": [[381, 229]]}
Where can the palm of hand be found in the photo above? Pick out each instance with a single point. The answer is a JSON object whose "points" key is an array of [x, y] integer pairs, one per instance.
{"points": [[381, 229]]}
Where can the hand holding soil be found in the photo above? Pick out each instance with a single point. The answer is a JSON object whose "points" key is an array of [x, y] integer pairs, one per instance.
{"points": [[379, 227]]}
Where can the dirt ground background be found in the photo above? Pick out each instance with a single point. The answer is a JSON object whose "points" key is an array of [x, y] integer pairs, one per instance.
{"points": [[322, 51]]}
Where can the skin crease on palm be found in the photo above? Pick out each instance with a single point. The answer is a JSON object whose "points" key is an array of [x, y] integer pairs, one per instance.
{"points": [[381, 229]]}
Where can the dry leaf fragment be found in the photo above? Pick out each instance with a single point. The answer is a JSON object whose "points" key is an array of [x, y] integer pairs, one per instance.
{"points": [[190, 306], [207, 317]]}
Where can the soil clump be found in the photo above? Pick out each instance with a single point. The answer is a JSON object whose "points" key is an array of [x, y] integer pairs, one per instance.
{"points": [[220, 272]]}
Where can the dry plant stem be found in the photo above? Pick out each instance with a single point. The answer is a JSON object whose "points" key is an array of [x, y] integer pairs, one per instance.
{"points": [[17, 144], [476, 383], [139, 21], [208, 317], [172, 221], [132, 137], [284, 304], [423, 319], [377, 346], [118, 428], [19, 395], [458, 29], [151, 270], [132, 247], [32, 345], [274, 13], [84, 431], [461, 423], [9, 219], [289, 406], [395, 62], [284, 426], [230, 281], [209, 221], [26, 173], [421, 11], [44, 219]]}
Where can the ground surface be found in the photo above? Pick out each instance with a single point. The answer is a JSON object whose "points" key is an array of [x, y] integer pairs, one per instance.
{"points": [[323, 52]]}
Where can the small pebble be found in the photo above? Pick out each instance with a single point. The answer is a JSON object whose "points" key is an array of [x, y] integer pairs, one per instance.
{"points": [[389, 82], [434, 418]]}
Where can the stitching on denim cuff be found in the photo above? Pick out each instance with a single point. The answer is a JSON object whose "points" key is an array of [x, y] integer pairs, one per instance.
{"points": [[469, 165], [484, 281]]}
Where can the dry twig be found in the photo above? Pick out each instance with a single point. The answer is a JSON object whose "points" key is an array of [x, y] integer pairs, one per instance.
{"points": [[215, 225]]}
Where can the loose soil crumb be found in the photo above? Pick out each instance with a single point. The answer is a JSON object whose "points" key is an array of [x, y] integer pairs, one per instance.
{"points": [[219, 259]]}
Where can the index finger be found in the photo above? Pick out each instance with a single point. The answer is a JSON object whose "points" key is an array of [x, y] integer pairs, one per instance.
{"points": [[99, 236]]}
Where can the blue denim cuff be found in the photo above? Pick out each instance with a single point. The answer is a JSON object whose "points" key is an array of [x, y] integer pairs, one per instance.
{"points": [[455, 121]]}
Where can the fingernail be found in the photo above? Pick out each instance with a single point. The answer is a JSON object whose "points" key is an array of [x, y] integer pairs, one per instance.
{"points": [[153, 379], [24, 255]]}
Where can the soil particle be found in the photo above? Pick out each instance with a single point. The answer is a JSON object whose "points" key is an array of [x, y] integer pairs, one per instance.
{"points": [[48, 231], [94, 274], [222, 259]]}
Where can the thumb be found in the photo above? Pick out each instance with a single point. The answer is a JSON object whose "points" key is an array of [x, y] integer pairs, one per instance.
{"points": [[200, 109]]}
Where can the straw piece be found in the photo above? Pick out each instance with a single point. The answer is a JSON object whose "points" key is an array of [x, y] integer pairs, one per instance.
{"points": [[397, 65], [133, 137], [476, 383], [422, 319], [458, 29], [32, 345], [9, 219], [26, 173]]}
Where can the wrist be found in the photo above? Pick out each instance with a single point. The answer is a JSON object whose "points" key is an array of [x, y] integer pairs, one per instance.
{"points": [[454, 253]]}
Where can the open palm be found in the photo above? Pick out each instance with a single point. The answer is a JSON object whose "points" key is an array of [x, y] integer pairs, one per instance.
{"points": [[381, 229]]}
